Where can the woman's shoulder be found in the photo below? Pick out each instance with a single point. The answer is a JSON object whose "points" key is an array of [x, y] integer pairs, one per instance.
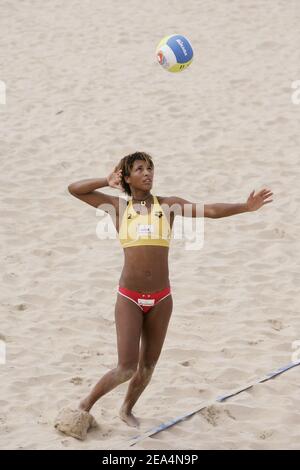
{"points": [[168, 200]]}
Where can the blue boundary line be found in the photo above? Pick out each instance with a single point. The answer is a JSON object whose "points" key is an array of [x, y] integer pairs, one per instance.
{"points": [[221, 398]]}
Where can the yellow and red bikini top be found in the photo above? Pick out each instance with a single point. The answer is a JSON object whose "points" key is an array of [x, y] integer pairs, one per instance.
{"points": [[144, 229]]}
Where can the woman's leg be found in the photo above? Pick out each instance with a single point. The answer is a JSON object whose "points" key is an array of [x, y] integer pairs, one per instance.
{"points": [[129, 320], [154, 330]]}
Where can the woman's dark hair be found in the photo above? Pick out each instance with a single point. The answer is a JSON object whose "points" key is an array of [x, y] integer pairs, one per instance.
{"points": [[126, 164]]}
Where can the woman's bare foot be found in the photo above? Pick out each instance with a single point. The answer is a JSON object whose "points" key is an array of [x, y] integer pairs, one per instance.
{"points": [[129, 418]]}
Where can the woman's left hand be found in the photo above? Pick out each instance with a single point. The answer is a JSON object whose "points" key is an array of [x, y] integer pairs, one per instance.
{"points": [[257, 201]]}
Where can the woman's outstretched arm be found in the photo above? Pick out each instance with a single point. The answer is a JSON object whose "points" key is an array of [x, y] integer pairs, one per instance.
{"points": [[218, 210], [253, 203]]}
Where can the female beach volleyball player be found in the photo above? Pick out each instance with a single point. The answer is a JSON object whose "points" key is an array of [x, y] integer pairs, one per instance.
{"points": [[144, 301]]}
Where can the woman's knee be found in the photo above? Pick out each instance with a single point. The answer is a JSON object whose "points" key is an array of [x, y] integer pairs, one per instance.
{"points": [[146, 370], [126, 371]]}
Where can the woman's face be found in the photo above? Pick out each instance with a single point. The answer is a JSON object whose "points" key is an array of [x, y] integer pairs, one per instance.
{"points": [[141, 175]]}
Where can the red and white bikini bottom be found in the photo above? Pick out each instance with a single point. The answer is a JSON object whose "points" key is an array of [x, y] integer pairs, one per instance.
{"points": [[145, 301]]}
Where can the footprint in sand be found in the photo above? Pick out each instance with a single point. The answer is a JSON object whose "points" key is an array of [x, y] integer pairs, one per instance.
{"points": [[211, 414], [265, 435], [2, 420], [255, 341], [279, 232], [21, 307], [276, 324], [76, 380]]}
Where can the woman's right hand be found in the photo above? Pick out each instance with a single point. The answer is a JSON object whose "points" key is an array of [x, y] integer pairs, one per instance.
{"points": [[114, 179]]}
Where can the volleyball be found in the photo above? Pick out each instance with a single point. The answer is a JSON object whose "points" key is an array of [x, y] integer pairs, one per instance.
{"points": [[174, 53]]}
